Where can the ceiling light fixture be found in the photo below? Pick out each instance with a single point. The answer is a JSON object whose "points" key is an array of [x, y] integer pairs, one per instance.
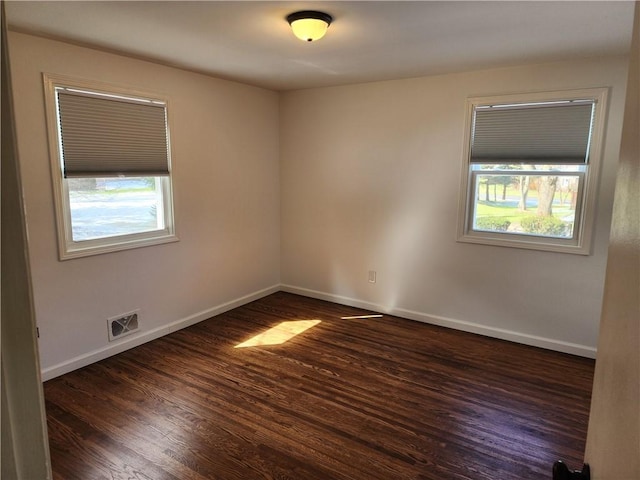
{"points": [[308, 25]]}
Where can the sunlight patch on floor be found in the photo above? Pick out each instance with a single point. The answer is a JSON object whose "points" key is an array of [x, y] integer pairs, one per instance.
{"points": [[279, 334], [358, 317]]}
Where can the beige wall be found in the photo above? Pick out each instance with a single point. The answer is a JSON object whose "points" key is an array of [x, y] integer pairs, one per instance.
{"points": [[366, 178], [324, 184], [226, 190], [370, 178], [613, 441]]}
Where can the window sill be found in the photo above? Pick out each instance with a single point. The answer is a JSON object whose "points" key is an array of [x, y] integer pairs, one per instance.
{"points": [[116, 244], [555, 245]]}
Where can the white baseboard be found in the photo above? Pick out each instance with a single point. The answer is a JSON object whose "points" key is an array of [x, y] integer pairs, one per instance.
{"points": [[144, 337], [503, 334]]}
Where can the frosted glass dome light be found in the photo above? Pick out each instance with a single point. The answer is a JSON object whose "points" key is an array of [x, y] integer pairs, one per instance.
{"points": [[309, 25]]}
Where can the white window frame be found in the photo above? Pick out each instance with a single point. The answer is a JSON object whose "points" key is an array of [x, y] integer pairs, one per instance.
{"points": [[586, 203], [67, 247]]}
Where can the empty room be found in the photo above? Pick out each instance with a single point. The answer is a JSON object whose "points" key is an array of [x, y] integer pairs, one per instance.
{"points": [[320, 240]]}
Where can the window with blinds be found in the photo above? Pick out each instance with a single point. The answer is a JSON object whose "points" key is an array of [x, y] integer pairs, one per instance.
{"points": [[106, 136], [531, 171], [111, 163], [540, 133]]}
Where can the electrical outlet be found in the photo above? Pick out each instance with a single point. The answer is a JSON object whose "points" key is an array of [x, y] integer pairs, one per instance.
{"points": [[372, 276]]}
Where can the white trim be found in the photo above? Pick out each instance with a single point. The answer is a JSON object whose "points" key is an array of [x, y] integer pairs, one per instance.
{"points": [[121, 242], [67, 248], [137, 339], [462, 325]]}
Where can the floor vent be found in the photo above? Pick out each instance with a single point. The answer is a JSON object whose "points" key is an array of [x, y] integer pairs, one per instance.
{"points": [[122, 325]]}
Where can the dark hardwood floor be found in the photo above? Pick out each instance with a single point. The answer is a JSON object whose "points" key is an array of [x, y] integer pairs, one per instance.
{"points": [[370, 398]]}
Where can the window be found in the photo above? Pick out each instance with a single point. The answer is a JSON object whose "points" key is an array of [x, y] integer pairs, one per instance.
{"points": [[110, 166], [531, 170]]}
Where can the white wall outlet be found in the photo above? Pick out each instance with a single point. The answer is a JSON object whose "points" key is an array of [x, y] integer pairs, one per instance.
{"points": [[372, 276]]}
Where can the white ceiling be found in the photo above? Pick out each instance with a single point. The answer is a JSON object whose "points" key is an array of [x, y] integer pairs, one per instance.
{"points": [[368, 41]]}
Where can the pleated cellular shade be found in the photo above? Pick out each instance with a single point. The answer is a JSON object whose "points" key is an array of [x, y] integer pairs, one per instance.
{"points": [[553, 133], [105, 137]]}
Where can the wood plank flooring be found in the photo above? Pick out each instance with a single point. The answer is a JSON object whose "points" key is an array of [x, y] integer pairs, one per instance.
{"points": [[362, 399]]}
